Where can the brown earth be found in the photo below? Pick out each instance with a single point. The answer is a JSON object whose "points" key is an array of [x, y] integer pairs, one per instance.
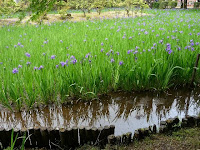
{"points": [[185, 139], [74, 17]]}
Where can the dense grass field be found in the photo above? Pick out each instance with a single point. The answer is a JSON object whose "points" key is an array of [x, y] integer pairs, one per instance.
{"points": [[50, 63]]}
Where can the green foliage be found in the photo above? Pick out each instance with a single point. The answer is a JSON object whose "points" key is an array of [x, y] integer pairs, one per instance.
{"points": [[13, 140], [196, 4], [62, 8], [172, 4], [156, 5], [128, 6], [131, 4], [8, 7], [113, 3], [40, 8], [99, 5], [83, 5], [60, 4], [163, 5], [22, 5]]}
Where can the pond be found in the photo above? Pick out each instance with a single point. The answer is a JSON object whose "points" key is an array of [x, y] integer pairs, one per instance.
{"points": [[127, 111]]}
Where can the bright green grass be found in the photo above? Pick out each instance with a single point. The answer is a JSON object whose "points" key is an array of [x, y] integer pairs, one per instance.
{"points": [[146, 68]]}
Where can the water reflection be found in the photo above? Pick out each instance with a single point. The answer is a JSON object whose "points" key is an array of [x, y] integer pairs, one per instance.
{"points": [[126, 111]]}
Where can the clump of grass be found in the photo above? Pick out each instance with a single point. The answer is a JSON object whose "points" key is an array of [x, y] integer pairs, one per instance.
{"points": [[50, 63]]}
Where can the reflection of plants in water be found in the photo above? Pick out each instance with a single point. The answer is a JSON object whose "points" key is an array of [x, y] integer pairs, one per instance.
{"points": [[119, 106]]}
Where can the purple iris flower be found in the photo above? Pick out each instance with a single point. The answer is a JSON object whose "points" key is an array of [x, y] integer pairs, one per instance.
{"points": [[27, 54], [40, 68], [35, 68], [102, 44], [57, 66], [129, 51], [112, 60], [20, 66], [63, 63], [102, 50], [28, 63], [14, 71], [168, 49], [121, 63], [117, 53], [53, 56], [87, 55], [74, 61], [72, 57]]}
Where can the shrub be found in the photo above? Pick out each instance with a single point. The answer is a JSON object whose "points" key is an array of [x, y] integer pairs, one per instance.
{"points": [[196, 4], [156, 5], [163, 5], [172, 4], [7, 7]]}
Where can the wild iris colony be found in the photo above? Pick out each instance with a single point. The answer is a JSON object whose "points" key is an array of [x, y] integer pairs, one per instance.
{"points": [[47, 63]]}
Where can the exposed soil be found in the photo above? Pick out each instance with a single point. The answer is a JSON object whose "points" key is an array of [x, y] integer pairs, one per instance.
{"points": [[74, 17], [185, 139]]}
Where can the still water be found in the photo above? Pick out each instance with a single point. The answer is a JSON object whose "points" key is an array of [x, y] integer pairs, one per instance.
{"points": [[127, 111]]}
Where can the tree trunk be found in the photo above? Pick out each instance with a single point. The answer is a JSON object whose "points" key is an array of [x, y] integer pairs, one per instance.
{"points": [[182, 3], [185, 4], [127, 12], [84, 13]]}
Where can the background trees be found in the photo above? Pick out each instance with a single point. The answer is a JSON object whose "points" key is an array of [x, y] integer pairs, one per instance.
{"points": [[39, 8]]}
